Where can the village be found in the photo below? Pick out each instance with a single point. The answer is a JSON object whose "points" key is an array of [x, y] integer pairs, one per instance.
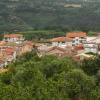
{"points": [[77, 45]]}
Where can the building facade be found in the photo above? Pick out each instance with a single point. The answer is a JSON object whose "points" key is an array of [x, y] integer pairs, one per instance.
{"points": [[92, 44], [59, 41], [17, 38], [75, 38]]}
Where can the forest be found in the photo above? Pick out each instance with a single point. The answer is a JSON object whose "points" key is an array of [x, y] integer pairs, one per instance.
{"points": [[27, 15], [50, 78]]}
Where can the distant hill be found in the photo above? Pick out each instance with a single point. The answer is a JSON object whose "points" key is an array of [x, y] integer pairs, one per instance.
{"points": [[22, 15]]}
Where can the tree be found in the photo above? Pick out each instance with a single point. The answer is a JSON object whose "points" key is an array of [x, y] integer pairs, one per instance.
{"points": [[49, 78], [76, 84], [91, 66], [96, 93]]}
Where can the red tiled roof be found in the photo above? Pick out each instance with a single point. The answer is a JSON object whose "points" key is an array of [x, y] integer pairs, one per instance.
{"points": [[58, 39], [12, 35], [68, 39], [9, 51], [79, 47], [58, 48], [75, 34]]}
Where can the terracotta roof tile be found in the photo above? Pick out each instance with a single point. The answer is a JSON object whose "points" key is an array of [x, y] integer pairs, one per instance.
{"points": [[75, 34], [9, 51], [55, 47], [58, 39], [12, 35], [2, 43], [68, 39]]}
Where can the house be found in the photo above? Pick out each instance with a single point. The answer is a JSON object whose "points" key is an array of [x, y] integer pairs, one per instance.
{"points": [[10, 54], [92, 44], [17, 38], [57, 51], [2, 43], [61, 52], [42, 48], [71, 39], [27, 46], [59, 41], [75, 38]]}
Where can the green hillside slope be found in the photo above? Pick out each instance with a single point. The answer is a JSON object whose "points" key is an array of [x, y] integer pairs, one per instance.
{"points": [[22, 15]]}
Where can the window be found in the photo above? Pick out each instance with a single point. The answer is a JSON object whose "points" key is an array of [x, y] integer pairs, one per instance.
{"points": [[73, 41], [81, 41], [63, 42], [76, 39]]}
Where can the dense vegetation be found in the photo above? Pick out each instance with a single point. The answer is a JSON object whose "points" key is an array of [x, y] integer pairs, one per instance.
{"points": [[22, 15], [50, 78], [41, 35]]}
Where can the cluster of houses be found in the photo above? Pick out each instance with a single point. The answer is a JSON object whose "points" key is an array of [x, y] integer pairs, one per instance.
{"points": [[11, 46], [75, 44]]}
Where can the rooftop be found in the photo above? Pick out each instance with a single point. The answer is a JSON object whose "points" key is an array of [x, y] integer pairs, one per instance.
{"points": [[2, 43], [58, 39], [76, 34], [55, 47], [12, 35], [93, 39], [9, 51]]}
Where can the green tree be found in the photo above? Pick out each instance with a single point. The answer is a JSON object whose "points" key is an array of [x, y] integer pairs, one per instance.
{"points": [[96, 93], [91, 66], [76, 84]]}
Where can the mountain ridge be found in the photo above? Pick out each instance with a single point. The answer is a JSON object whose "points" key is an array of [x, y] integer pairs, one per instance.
{"points": [[23, 15]]}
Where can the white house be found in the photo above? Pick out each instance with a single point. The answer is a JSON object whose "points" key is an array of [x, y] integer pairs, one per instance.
{"points": [[75, 38], [17, 38], [92, 44], [71, 39], [59, 41]]}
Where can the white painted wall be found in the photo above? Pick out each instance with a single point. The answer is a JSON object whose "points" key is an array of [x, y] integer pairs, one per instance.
{"points": [[91, 44], [59, 44], [78, 40], [93, 39], [90, 47], [17, 40], [69, 43]]}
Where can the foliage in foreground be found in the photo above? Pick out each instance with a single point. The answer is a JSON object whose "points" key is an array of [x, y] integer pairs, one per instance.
{"points": [[48, 78]]}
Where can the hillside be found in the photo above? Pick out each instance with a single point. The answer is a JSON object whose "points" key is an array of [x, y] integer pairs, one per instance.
{"points": [[22, 15]]}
